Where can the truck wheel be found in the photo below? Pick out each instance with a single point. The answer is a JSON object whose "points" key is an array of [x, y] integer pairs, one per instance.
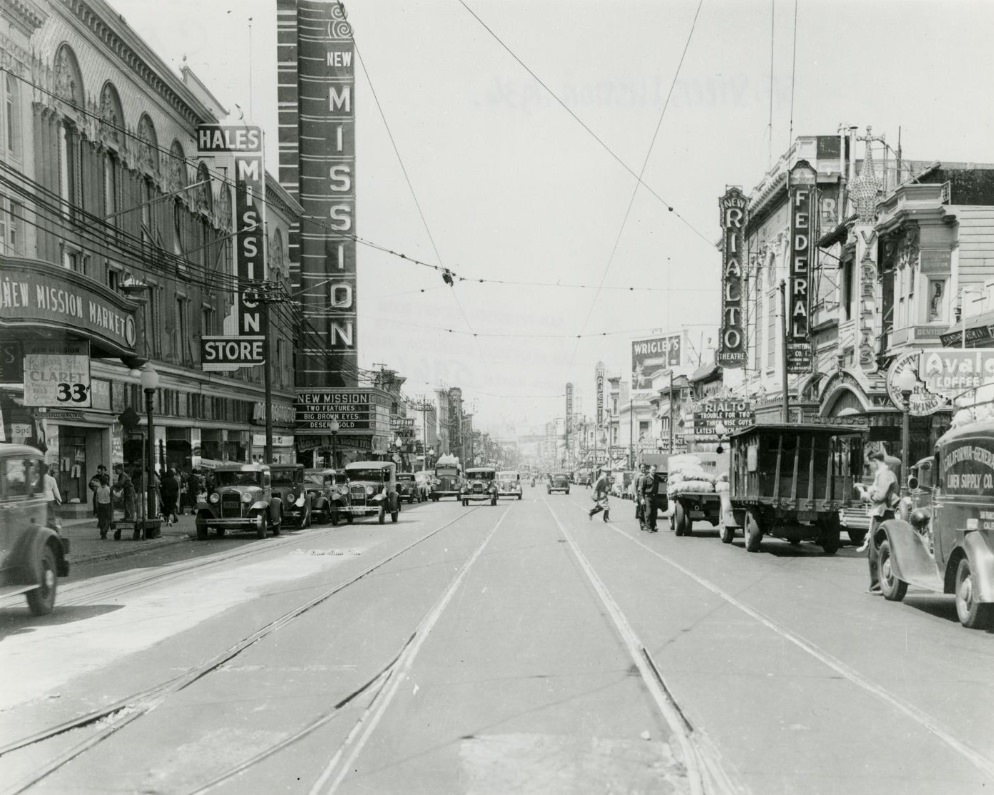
{"points": [[260, 525], [202, 530], [680, 523], [891, 587], [727, 533], [383, 514], [971, 613], [753, 533], [41, 601]]}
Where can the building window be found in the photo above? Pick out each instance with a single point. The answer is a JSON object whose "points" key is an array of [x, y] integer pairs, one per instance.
{"points": [[771, 330], [11, 228], [182, 329], [207, 321], [70, 174], [12, 115], [936, 299], [846, 287], [110, 188], [114, 279], [75, 260]]}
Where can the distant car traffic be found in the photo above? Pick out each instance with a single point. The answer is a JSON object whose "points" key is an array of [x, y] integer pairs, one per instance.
{"points": [[509, 484], [558, 482], [480, 484], [372, 490], [407, 487], [241, 498], [34, 555], [295, 499]]}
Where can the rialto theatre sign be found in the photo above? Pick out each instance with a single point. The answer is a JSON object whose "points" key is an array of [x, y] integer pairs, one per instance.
{"points": [[732, 348]]}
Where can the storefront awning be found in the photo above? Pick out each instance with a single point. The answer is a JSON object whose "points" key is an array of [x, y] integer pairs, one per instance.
{"points": [[979, 332]]}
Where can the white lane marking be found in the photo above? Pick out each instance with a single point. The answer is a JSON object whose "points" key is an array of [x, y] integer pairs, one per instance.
{"points": [[634, 647], [369, 720], [935, 726]]}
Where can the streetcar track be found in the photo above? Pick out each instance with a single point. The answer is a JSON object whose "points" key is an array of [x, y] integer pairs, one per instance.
{"points": [[128, 709], [358, 736], [931, 724], [703, 776]]}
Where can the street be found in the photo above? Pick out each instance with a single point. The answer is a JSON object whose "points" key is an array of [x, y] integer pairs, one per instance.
{"points": [[516, 648]]}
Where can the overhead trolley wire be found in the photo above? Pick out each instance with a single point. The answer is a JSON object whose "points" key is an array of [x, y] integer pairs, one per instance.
{"points": [[669, 206]]}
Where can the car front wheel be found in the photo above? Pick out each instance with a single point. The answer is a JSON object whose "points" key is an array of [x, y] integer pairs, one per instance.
{"points": [[41, 601], [891, 587], [972, 613]]}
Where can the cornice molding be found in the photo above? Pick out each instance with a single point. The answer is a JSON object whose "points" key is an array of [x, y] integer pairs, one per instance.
{"points": [[137, 57], [25, 15]]}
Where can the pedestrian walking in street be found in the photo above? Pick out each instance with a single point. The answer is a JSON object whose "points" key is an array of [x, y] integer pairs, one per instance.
{"points": [[601, 490], [169, 492], [883, 496], [105, 508], [639, 512], [95, 483], [50, 491], [649, 501]]}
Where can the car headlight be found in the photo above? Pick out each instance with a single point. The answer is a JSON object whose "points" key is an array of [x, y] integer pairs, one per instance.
{"points": [[300, 501], [369, 491], [215, 498], [247, 497]]}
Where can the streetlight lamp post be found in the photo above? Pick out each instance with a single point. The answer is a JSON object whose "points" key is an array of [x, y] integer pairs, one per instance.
{"points": [[334, 427], [905, 383], [150, 383]]}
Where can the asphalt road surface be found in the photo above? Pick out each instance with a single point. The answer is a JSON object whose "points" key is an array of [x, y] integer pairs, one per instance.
{"points": [[521, 648]]}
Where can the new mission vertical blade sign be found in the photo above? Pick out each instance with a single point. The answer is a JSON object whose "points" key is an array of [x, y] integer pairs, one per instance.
{"points": [[317, 165], [732, 349]]}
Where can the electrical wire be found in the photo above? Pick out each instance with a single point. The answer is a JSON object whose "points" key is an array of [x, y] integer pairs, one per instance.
{"points": [[669, 206]]}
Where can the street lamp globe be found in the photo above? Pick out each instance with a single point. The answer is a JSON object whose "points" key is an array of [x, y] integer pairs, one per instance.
{"points": [[149, 378], [905, 382]]}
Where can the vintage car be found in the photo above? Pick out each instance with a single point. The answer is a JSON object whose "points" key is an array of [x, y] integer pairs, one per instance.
{"points": [[947, 543], [448, 478], [295, 499], [509, 484], [329, 494], [558, 482], [480, 483], [240, 497], [407, 487], [372, 489], [425, 481], [34, 555]]}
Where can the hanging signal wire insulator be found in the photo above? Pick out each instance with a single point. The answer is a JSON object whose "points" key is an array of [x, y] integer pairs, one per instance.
{"points": [[447, 277]]}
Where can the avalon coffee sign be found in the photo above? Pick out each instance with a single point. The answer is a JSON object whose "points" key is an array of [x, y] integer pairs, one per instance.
{"points": [[731, 352]]}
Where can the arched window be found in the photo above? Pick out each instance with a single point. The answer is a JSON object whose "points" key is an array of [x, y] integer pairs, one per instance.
{"points": [[69, 88], [112, 137], [203, 195], [148, 147], [176, 173]]}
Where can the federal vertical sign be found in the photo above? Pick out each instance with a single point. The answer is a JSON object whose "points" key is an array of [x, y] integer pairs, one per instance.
{"points": [[599, 386], [732, 347], [801, 194], [316, 96]]}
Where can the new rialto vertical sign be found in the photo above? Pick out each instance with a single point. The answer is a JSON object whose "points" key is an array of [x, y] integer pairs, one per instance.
{"points": [[732, 346]]}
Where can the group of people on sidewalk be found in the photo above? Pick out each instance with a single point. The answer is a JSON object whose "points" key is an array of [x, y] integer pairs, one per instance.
{"points": [[174, 492], [645, 497]]}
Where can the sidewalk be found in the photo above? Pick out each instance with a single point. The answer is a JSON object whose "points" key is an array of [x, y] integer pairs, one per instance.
{"points": [[85, 543]]}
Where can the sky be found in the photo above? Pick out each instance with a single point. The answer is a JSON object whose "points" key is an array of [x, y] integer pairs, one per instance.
{"points": [[512, 186]]}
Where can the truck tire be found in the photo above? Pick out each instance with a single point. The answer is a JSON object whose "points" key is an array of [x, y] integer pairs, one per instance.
{"points": [[753, 533], [260, 525], [681, 526], [971, 613], [727, 533], [891, 587]]}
